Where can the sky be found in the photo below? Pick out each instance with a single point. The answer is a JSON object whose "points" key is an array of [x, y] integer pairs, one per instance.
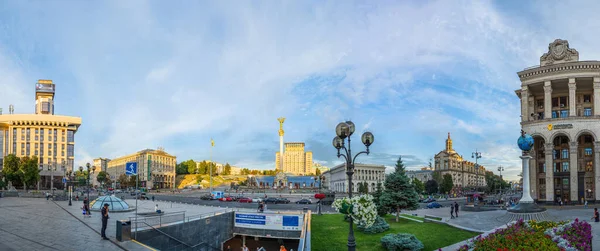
{"points": [[174, 74]]}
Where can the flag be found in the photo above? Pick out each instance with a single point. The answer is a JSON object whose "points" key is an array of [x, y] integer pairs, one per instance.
{"points": [[212, 142]]}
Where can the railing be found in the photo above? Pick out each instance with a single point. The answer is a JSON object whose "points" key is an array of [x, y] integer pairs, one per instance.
{"points": [[159, 220], [173, 238], [202, 216], [304, 244]]}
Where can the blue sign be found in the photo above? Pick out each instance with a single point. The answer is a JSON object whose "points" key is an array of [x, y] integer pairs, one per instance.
{"points": [[131, 168], [65, 180], [291, 221]]}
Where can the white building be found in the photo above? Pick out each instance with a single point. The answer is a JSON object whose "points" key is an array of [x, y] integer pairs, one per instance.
{"points": [[560, 109], [336, 178], [422, 175]]}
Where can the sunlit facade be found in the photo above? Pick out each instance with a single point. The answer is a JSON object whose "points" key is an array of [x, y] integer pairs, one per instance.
{"points": [[156, 168], [464, 173]]}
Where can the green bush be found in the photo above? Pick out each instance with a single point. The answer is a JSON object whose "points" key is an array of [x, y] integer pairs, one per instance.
{"points": [[401, 242], [379, 226]]}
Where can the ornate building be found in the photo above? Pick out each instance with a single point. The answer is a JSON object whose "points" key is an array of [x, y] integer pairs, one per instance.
{"points": [[296, 160], [336, 178], [560, 109], [464, 173], [423, 175], [156, 168], [48, 136]]}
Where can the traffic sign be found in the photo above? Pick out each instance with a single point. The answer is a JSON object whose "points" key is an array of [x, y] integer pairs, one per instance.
{"points": [[64, 180], [131, 168]]}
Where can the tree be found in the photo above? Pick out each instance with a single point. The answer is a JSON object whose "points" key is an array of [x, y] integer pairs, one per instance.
{"points": [[102, 177], [317, 171], [431, 186], [181, 168], [381, 210], [447, 183], [245, 171], [29, 171], [399, 193], [419, 186], [437, 176], [363, 187], [11, 168], [123, 180], [199, 178], [227, 169], [132, 180], [399, 164]]}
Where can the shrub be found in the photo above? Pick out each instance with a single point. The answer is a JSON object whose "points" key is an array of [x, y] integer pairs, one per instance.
{"points": [[401, 242], [379, 226]]}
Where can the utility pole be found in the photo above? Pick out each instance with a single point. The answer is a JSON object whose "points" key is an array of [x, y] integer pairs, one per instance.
{"points": [[212, 144]]}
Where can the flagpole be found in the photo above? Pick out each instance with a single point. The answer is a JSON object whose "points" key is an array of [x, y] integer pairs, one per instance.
{"points": [[212, 144]]}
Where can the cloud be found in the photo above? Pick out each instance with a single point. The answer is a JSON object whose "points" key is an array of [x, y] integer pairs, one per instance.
{"points": [[146, 74]]}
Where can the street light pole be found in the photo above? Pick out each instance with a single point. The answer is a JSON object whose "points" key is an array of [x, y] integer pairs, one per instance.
{"points": [[500, 169], [344, 130], [477, 156]]}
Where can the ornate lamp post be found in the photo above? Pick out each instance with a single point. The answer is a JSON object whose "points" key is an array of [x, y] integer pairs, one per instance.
{"points": [[344, 130], [69, 173], [500, 169], [92, 170], [477, 156]]}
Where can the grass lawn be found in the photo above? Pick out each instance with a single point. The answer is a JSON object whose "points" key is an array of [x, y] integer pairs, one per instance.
{"points": [[413, 217], [330, 232]]}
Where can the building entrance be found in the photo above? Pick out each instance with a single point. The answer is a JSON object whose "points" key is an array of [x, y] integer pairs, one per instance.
{"points": [[562, 189]]}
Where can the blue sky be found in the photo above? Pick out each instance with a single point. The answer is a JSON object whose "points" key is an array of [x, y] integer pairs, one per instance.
{"points": [[144, 74]]}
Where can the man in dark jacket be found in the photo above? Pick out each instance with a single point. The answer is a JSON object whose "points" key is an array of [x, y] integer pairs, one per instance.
{"points": [[104, 221], [456, 209]]}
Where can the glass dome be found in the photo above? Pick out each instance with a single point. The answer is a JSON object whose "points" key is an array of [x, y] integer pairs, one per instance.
{"points": [[114, 204]]}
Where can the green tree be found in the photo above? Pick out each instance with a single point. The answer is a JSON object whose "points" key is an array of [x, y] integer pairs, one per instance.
{"points": [[431, 186], [199, 178], [447, 183], [227, 169], [437, 176], [132, 180], [317, 171], [102, 177], [419, 186], [381, 210], [11, 169], [123, 180], [399, 193], [245, 171], [181, 168], [30, 171], [363, 187]]}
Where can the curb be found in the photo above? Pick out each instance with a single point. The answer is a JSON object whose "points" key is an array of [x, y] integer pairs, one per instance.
{"points": [[408, 218]]}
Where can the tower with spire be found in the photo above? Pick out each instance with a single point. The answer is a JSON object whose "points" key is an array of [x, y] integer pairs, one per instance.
{"points": [[449, 144]]}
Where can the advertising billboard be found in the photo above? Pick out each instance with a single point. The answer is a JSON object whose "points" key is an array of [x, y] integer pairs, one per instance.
{"points": [[269, 221], [47, 88]]}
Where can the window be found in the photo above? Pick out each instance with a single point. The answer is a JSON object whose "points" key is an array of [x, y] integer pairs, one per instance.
{"points": [[27, 149], [70, 150], [554, 114], [587, 112], [588, 152], [540, 115], [45, 106], [565, 166], [562, 102], [565, 153], [37, 131], [555, 154], [540, 103], [70, 136], [587, 98], [542, 168], [564, 113], [555, 165], [589, 166]]}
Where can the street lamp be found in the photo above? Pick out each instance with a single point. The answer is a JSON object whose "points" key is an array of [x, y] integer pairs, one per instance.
{"points": [[477, 156], [69, 173], [344, 130], [500, 169]]}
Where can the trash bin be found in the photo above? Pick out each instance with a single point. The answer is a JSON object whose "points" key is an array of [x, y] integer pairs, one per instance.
{"points": [[123, 230]]}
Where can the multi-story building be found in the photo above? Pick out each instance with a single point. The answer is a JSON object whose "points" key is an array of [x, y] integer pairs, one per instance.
{"points": [[336, 178], [48, 136], [422, 175], [156, 168], [101, 164], [464, 173], [296, 160], [560, 109]]}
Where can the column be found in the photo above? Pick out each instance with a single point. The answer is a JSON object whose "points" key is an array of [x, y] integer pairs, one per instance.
{"points": [[533, 175], [596, 96], [573, 171], [548, 100], [572, 98], [597, 170], [549, 173], [531, 106], [525, 116]]}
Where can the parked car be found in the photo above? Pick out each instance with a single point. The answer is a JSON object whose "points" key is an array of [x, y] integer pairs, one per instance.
{"points": [[434, 205], [206, 197], [257, 200], [283, 200], [428, 200], [272, 200], [304, 201], [226, 199], [245, 200]]}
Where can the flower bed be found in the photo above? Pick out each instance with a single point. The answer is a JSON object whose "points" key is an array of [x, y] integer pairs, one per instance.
{"points": [[532, 235]]}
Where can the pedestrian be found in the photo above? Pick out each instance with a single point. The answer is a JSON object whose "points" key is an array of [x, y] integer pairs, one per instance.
{"points": [[152, 198], [596, 217], [86, 207], [228, 248], [585, 203], [244, 248], [456, 209], [282, 248], [452, 212], [104, 221]]}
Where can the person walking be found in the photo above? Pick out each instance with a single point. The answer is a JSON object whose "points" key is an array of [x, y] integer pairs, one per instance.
{"points": [[244, 248], [452, 212], [456, 209], [86, 207], [104, 221], [596, 217], [152, 198], [228, 248], [282, 248]]}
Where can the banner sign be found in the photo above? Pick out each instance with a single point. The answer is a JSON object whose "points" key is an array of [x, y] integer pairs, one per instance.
{"points": [[49, 88], [269, 221]]}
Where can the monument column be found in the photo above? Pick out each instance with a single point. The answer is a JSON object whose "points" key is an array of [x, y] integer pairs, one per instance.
{"points": [[547, 100], [549, 173], [525, 104], [597, 171], [572, 98], [573, 171], [281, 132], [597, 96]]}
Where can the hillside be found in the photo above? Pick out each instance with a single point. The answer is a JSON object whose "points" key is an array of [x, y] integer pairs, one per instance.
{"points": [[190, 179]]}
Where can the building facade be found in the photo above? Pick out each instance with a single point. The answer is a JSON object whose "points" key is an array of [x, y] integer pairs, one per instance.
{"points": [[464, 173], [296, 160], [560, 109], [48, 136], [101, 164], [422, 175], [336, 178], [156, 168]]}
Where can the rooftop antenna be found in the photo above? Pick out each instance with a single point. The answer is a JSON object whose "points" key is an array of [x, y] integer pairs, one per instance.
{"points": [[11, 109]]}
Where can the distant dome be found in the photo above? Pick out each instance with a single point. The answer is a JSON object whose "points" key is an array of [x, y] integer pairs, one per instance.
{"points": [[114, 204]]}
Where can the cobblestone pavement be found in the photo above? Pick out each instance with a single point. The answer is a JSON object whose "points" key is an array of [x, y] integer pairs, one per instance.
{"points": [[486, 221]]}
